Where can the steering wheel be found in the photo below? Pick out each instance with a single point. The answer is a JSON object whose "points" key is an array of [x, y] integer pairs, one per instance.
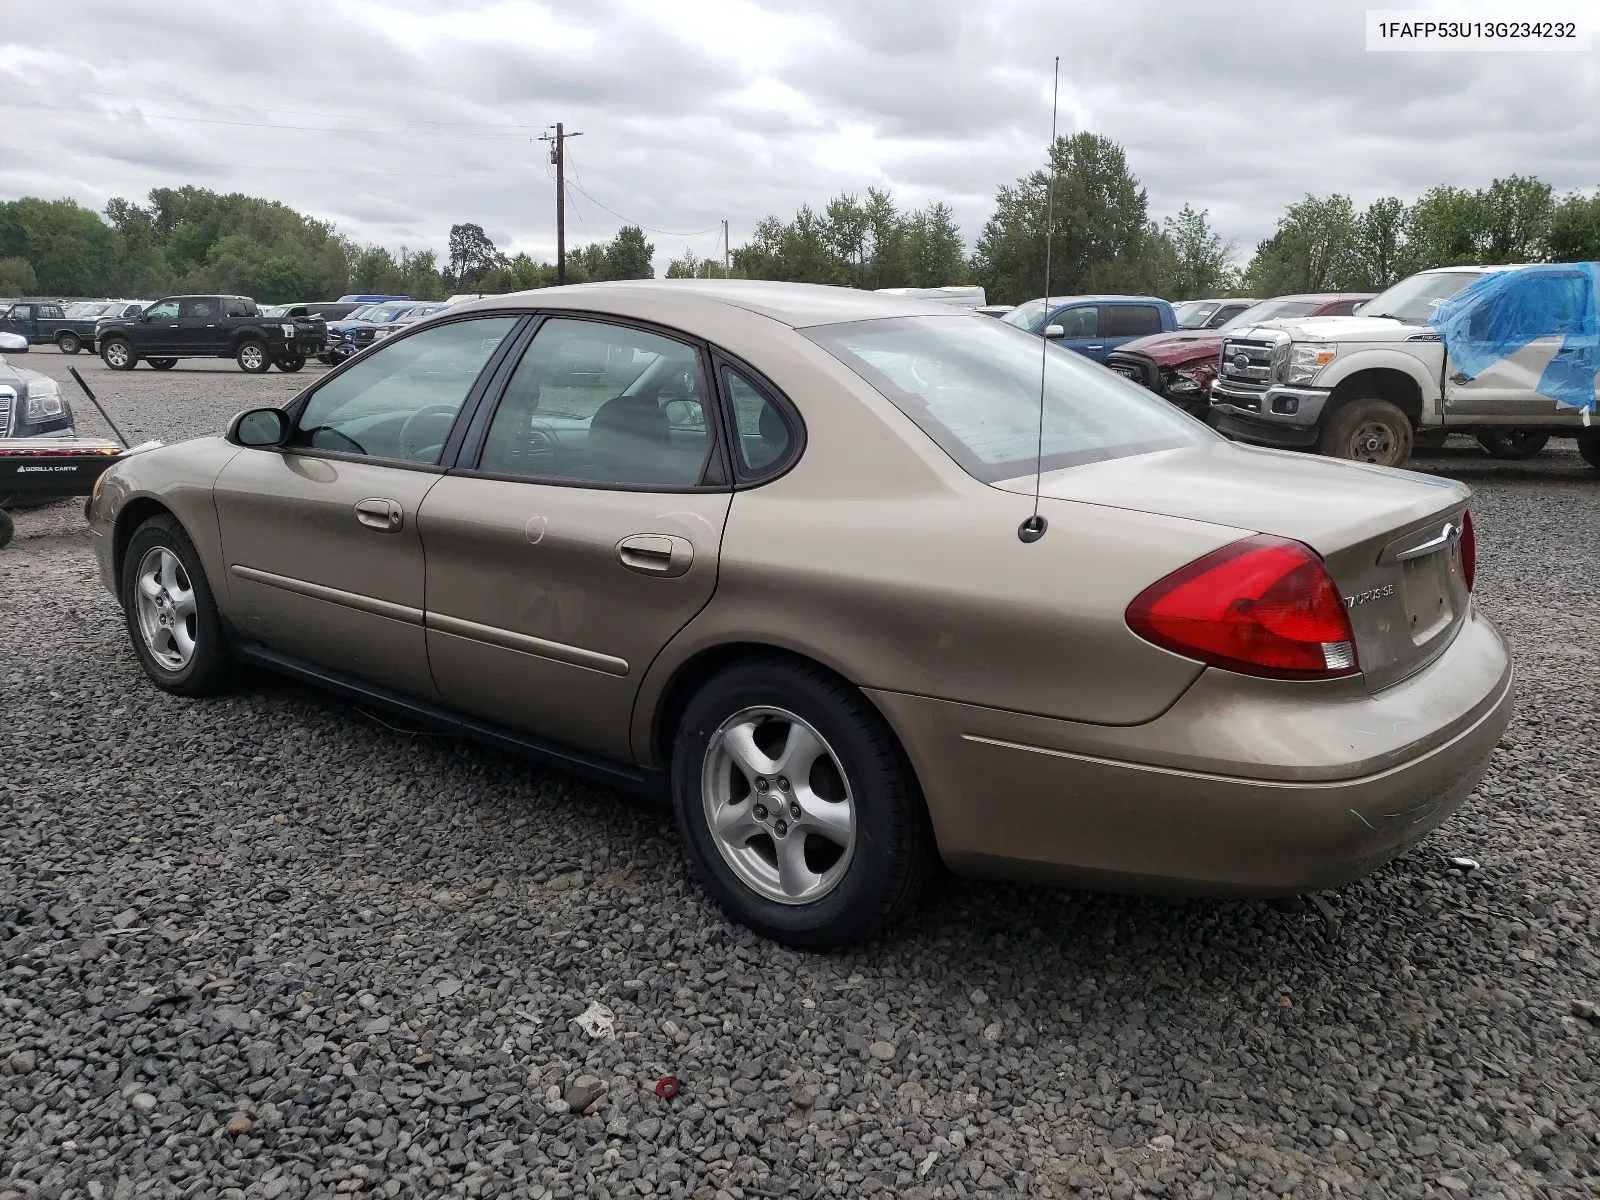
{"points": [[415, 423], [316, 438]]}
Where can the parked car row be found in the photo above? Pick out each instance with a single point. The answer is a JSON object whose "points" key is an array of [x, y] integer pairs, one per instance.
{"points": [[71, 326]]}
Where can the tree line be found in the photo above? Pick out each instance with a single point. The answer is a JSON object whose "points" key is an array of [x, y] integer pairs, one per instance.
{"points": [[1104, 239]]}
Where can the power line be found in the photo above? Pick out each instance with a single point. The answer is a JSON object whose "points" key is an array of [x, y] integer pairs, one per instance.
{"points": [[177, 162], [663, 232], [95, 112], [288, 112]]}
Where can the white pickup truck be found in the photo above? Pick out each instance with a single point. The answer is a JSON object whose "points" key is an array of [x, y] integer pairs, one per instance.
{"points": [[1370, 386]]}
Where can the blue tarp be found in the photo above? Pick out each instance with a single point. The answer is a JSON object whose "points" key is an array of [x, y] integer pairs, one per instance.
{"points": [[1503, 312]]}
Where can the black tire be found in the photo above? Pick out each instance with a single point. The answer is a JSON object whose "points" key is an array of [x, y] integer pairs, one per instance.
{"points": [[118, 354], [1366, 429], [210, 668], [252, 356], [893, 849], [69, 343], [162, 364], [7, 528], [1513, 444], [292, 363], [327, 359], [1589, 447]]}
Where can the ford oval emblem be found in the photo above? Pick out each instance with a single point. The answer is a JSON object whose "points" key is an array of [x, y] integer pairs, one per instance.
{"points": [[1241, 361]]}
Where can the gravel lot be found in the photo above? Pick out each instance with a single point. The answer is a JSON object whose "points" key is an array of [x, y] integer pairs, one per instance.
{"points": [[272, 946]]}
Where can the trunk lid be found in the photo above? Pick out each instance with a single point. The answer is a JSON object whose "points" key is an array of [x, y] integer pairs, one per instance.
{"points": [[1390, 539]]}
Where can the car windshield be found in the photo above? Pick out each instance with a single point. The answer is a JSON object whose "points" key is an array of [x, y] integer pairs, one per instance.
{"points": [[381, 313], [274, 310], [84, 309], [1026, 316], [974, 388], [1413, 300], [1272, 310], [359, 313], [1193, 314]]}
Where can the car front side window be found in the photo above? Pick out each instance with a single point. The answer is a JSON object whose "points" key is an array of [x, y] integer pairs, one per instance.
{"points": [[167, 309], [606, 404], [400, 402], [1081, 322]]}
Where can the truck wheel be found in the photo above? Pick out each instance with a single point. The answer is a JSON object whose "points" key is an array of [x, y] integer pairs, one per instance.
{"points": [[252, 357], [69, 343], [1589, 447], [171, 616], [162, 364], [1512, 443], [327, 359], [292, 363], [1368, 430], [7, 528], [117, 353]]}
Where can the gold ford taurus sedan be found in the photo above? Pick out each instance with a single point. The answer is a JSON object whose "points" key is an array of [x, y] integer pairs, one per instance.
{"points": [[771, 548]]}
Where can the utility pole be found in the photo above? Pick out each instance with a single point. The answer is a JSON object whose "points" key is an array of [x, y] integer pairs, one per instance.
{"points": [[727, 252], [558, 156]]}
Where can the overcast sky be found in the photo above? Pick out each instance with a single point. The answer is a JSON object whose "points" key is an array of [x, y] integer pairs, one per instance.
{"points": [[395, 120]]}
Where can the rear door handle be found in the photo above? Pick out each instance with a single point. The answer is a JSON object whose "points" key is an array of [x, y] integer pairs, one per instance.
{"points": [[656, 554], [386, 516]]}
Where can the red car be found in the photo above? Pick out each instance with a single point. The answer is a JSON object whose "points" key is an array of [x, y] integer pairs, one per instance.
{"points": [[1180, 366]]}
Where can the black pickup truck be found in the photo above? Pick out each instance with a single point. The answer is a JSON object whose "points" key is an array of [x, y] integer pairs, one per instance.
{"points": [[37, 320], [209, 327]]}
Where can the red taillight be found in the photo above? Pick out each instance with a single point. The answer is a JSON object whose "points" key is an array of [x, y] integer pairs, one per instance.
{"points": [[1469, 551], [1261, 606]]}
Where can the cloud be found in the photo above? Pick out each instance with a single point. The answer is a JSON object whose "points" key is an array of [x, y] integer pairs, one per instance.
{"points": [[395, 120]]}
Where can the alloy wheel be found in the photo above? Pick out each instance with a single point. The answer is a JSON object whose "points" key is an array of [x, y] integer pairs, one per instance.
{"points": [[252, 358], [166, 608], [116, 355], [778, 805]]}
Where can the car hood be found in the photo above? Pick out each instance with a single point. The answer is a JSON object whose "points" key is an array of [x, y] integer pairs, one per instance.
{"points": [[1169, 349], [1334, 329], [1325, 503]]}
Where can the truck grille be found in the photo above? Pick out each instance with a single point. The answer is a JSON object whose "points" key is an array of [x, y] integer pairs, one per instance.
{"points": [[7, 399], [1137, 368], [1247, 363]]}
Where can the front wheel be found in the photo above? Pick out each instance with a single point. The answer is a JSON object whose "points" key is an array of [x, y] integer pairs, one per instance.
{"points": [[795, 805], [162, 364], [1589, 447], [69, 343], [170, 614], [252, 357], [1367, 430], [118, 354], [292, 362], [1513, 443]]}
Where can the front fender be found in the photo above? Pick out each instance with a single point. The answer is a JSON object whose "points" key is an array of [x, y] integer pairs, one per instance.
{"points": [[1425, 374]]}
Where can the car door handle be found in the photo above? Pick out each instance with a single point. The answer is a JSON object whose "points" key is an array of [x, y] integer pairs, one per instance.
{"points": [[1094, 347], [383, 515], [656, 554]]}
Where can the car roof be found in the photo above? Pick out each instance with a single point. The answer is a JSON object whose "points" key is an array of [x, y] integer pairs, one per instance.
{"points": [[797, 305], [1320, 296], [1122, 298]]}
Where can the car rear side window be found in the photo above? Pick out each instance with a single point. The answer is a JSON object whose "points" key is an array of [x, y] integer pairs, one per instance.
{"points": [[593, 402], [400, 401], [1129, 320], [973, 386], [765, 438], [198, 307]]}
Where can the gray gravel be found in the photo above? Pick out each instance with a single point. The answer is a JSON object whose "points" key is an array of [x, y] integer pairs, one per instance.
{"points": [[271, 946]]}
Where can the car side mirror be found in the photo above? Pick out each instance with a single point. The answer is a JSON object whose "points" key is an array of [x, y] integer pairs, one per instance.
{"points": [[261, 428], [1356, 311], [1054, 331]]}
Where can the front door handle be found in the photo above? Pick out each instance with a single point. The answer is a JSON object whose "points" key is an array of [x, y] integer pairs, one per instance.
{"points": [[656, 554], [386, 516], [1094, 347]]}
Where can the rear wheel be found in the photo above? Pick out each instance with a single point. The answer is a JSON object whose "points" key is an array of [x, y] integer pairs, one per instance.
{"points": [[162, 364], [171, 616], [292, 362], [327, 359], [795, 805], [117, 353], [1589, 447], [1368, 430], [1513, 443], [252, 357], [69, 343]]}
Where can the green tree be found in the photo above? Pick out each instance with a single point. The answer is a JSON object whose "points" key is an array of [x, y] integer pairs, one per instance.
{"points": [[1442, 229], [17, 277], [931, 251], [628, 255], [1379, 246], [1574, 234], [1516, 213], [1199, 263], [1101, 235], [472, 253], [1314, 249]]}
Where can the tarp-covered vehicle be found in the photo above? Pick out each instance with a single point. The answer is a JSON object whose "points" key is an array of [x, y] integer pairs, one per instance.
{"points": [[1507, 354]]}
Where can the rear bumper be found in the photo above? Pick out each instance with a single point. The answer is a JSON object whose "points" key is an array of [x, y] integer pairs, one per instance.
{"points": [[1238, 790]]}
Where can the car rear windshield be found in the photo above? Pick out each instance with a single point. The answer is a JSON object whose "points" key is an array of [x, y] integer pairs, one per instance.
{"points": [[1272, 310], [1192, 314], [973, 386]]}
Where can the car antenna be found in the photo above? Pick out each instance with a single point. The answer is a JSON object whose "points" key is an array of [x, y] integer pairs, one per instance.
{"points": [[1032, 529]]}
